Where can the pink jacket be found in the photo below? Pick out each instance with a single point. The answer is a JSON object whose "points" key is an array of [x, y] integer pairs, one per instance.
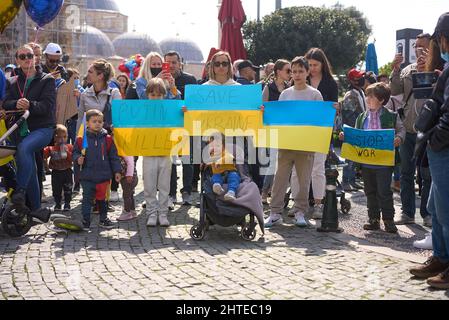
{"points": [[129, 166]]}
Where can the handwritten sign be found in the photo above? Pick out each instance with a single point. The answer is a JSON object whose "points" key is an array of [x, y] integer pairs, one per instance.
{"points": [[214, 98], [151, 142], [232, 123], [297, 125], [66, 102], [373, 147], [147, 113]]}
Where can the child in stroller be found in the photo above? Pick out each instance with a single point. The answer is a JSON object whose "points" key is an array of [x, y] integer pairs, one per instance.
{"points": [[214, 209]]}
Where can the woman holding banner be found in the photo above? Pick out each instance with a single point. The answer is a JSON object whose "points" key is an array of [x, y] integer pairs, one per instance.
{"points": [[220, 71]]}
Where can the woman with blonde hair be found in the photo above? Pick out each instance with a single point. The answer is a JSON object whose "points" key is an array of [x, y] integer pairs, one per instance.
{"points": [[220, 71], [152, 68]]}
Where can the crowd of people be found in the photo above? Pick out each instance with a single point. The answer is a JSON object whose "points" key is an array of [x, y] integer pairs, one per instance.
{"points": [[371, 103]]}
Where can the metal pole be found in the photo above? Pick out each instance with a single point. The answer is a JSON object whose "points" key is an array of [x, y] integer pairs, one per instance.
{"points": [[258, 10]]}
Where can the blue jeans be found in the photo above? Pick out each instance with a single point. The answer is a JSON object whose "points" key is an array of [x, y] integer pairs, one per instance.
{"points": [[27, 178], [438, 204], [397, 173], [89, 189], [408, 169], [349, 172], [233, 179], [71, 130]]}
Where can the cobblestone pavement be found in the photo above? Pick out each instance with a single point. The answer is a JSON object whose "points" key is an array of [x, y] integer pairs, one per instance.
{"points": [[132, 261]]}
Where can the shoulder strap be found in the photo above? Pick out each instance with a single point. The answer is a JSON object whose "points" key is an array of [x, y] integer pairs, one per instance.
{"points": [[108, 143]]}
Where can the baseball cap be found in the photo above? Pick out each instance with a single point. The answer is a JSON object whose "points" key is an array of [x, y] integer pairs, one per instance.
{"points": [[10, 66], [442, 26], [246, 64], [355, 74], [53, 49]]}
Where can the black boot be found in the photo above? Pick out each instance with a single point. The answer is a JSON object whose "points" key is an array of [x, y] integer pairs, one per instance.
{"points": [[42, 214]]}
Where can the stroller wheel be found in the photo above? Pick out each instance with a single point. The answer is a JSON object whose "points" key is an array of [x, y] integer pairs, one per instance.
{"points": [[248, 233], [345, 205], [197, 233], [16, 220]]}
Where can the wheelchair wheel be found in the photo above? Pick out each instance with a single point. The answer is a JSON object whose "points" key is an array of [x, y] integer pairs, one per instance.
{"points": [[248, 233], [197, 233], [16, 220], [345, 205]]}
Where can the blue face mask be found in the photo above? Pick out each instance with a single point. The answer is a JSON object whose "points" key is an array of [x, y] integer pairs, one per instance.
{"points": [[445, 56], [77, 83]]}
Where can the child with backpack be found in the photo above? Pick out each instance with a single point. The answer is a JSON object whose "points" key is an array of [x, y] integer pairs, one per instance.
{"points": [[99, 163]]}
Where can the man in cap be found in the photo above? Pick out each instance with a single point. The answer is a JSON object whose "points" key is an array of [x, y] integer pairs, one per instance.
{"points": [[401, 83], [247, 72], [53, 55], [353, 105]]}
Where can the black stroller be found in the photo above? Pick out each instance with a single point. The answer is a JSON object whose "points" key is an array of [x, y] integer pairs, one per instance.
{"points": [[216, 211]]}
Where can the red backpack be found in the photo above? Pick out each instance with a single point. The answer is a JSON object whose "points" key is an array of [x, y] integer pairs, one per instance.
{"points": [[79, 142]]}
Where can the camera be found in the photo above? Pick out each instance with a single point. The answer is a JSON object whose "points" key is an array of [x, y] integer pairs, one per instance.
{"points": [[423, 84]]}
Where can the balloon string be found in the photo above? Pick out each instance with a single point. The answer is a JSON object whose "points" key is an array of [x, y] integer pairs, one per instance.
{"points": [[22, 92]]}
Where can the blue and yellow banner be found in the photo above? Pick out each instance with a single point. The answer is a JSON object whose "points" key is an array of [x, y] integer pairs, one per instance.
{"points": [[223, 98], [148, 127], [298, 125], [372, 147]]}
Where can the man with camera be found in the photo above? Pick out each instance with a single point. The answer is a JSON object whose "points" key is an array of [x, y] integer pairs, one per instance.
{"points": [[402, 83]]}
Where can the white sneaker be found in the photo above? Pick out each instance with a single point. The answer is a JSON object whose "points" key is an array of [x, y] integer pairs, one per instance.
{"points": [[171, 205], [318, 212], [163, 221], [114, 196], [152, 220], [230, 196], [273, 220], [425, 244], [218, 189], [300, 221]]}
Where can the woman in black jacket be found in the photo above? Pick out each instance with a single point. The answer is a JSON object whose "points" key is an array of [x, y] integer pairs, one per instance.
{"points": [[32, 90], [321, 79]]}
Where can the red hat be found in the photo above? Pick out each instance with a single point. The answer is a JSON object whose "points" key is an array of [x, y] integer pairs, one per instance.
{"points": [[354, 74]]}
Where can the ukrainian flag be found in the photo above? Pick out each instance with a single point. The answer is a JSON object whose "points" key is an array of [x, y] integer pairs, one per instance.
{"points": [[82, 133], [298, 125], [372, 147]]}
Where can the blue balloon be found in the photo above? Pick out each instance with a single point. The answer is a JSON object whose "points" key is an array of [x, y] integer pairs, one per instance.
{"points": [[43, 11]]}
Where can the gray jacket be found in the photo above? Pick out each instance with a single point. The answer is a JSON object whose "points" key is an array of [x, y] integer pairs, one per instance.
{"points": [[89, 100], [401, 83]]}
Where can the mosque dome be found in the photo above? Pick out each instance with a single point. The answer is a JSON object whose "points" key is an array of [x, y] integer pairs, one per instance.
{"points": [[188, 49], [131, 43], [105, 5], [93, 43]]}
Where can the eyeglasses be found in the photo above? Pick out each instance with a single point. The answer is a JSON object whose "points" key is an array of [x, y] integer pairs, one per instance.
{"points": [[224, 64], [24, 56]]}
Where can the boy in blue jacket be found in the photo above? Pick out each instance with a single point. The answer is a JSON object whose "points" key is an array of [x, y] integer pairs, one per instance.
{"points": [[99, 164]]}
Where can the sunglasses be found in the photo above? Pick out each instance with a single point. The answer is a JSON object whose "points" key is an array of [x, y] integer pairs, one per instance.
{"points": [[224, 64], [25, 56], [54, 61]]}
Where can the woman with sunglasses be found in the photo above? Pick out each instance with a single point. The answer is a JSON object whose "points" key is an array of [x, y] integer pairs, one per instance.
{"points": [[220, 71], [31, 90]]}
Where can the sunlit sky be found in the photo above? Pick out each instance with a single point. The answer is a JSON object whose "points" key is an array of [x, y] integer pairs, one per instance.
{"points": [[197, 19]]}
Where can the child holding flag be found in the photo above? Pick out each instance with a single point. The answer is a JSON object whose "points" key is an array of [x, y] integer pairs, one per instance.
{"points": [[377, 179], [97, 157]]}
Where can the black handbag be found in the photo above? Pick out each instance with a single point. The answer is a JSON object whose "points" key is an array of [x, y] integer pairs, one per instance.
{"points": [[428, 117]]}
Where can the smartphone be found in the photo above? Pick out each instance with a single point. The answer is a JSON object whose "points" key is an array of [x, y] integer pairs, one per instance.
{"points": [[165, 67], [400, 49]]}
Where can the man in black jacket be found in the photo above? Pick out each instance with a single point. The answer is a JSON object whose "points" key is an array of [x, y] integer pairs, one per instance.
{"points": [[436, 269], [181, 80], [53, 55]]}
